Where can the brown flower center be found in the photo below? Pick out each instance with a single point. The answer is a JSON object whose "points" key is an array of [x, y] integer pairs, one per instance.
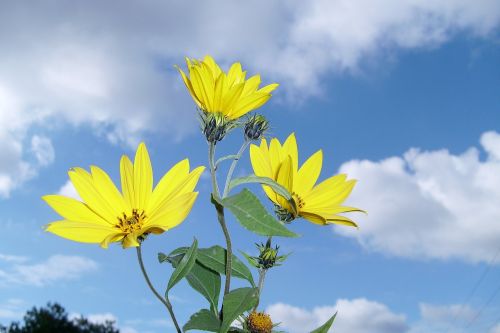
{"points": [[298, 200], [131, 223]]}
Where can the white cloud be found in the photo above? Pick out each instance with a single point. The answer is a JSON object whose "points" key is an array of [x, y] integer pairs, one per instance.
{"points": [[446, 313], [43, 150], [13, 258], [113, 72], [430, 204], [55, 268], [495, 329], [354, 316], [69, 190], [12, 309]]}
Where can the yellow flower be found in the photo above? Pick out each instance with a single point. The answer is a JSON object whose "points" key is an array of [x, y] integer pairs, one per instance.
{"points": [[319, 203], [106, 215], [231, 94]]}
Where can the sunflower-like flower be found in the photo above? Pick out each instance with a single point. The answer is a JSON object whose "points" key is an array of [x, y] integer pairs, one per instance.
{"points": [[319, 203], [105, 215], [229, 94]]}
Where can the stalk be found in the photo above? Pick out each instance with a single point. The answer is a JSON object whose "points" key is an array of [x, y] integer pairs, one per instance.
{"points": [[233, 166], [165, 300], [220, 217]]}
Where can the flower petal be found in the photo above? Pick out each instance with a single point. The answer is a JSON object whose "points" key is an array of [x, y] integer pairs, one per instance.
{"points": [[143, 177], [127, 180], [108, 190], [308, 173], [83, 232], [74, 210], [173, 213], [84, 185]]}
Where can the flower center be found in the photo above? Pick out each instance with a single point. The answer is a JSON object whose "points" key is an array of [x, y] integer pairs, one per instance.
{"points": [[131, 223], [259, 322], [298, 200]]}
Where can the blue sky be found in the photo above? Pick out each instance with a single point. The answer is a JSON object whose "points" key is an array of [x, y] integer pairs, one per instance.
{"points": [[403, 97]]}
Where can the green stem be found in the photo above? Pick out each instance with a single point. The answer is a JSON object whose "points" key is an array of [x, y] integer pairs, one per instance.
{"points": [[233, 166], [165, 300], [220, 217], [262, 277]]}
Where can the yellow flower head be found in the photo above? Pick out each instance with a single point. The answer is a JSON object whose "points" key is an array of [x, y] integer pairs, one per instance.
{"points": [[105, 215], [259, 322], [229, 94], [319, 203]]}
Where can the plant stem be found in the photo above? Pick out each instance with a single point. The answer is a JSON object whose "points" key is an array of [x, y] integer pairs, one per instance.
{"points": [[233, 166], [165, 300], [220, 217], [262, 277]]}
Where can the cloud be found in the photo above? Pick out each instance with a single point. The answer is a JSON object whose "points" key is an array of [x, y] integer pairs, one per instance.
{"points": [[12, 258], [12, 308], [430, 204], [55, 268], [112, 70], [43, 150], [69, 190], [354, 316]]}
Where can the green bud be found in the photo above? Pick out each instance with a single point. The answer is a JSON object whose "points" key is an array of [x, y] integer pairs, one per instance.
{"points": [[215, 126], [255, 127]]}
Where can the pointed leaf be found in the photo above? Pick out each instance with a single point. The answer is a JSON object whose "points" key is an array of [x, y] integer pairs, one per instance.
{"points": [[203, 320], [184, 266], [215, 258], [235, 303], [253, 216], [326, 326], [202, 279]]}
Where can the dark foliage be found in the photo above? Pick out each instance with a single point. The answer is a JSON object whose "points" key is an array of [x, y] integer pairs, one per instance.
{"points": [[54, 319]]}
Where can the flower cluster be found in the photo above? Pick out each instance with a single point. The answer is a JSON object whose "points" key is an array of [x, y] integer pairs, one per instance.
{"points": [[105, 214]]}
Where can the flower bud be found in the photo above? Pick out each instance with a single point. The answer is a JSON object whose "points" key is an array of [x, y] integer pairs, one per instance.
{"points": [[215, 126], [255, 127], [283, 214]]}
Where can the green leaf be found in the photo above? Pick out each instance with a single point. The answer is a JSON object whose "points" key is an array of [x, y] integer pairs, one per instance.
{"points": [[215, 258], [326, 326], [204, 280], [223, 158], [235, 303], [278, 188], [184, 266], [253, 216], [203, 320], [251, 260]]}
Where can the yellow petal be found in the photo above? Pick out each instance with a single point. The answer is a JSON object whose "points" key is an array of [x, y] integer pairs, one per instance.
{"points": [[314, 218], [186, 185], [130, 240], [168, 183], [173, 213], [285, 178], [341, 220], [235, 74], [213, 66], [199, 89], [309, 172], [83, 232], [248, 103], [73, 210], [127, 180], [143, 177], [275, 156], [189, 86], [108, 190], [262, 168], [290, 148], [84, 185], [329, 193], [230, 98], [251, 85], [269, 88], [219, 92]]}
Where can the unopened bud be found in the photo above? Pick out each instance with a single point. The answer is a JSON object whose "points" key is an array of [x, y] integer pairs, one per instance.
{"points": [[255, 127]]}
